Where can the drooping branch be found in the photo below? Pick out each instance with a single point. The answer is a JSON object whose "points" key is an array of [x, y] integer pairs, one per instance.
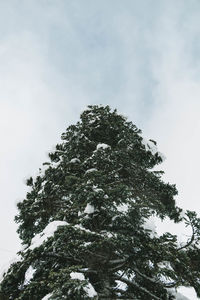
{"points": [[118, 267], [145, 276], [135, 285], [117, 261]]}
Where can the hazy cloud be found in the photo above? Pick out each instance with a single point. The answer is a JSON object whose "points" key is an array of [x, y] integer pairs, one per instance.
{"points": [[58, 56]]}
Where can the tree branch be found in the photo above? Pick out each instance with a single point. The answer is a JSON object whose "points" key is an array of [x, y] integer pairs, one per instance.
{"points": [[190, 241], [134, 284]]}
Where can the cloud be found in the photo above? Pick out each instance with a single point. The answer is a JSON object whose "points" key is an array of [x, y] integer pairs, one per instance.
{"points": [[56, 58], [175, 121]]}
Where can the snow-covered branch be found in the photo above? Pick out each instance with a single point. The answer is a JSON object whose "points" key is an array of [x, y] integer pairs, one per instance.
{"points": [[135, 285]]}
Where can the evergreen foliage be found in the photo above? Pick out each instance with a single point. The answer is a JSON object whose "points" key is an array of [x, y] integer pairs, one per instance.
{"points": [[83, 221]]}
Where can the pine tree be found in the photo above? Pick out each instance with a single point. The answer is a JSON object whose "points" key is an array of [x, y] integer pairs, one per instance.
{"points": [[82, 223]]}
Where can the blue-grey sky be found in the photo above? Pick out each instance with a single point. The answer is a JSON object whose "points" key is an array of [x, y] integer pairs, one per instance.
{"points": [[57, 56]]}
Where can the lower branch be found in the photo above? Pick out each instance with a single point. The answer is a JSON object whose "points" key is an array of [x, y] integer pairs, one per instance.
{"points": [[134, 284]]}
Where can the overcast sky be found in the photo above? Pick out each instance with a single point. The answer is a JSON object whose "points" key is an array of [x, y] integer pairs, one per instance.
{"points": [[57, 56]]}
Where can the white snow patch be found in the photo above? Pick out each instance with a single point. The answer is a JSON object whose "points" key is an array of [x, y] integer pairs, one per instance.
{"points": [[84, 229], [122, 207], [77, 275], [42, 237], [90, 290], [121, 285], [87, 244], [102, 146], [150, 146], [151, 264], [75, 160], [89, 209], [65, 198], [29, 275], [96, 189], [108, 234], [92, 121], [114, 218], [47, 297], [187, 293], [91, 170], [165, 265], [55, 164], [178, 296]]}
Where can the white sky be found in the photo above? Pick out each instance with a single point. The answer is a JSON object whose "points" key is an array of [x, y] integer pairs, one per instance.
{"points": [[56, 57]]}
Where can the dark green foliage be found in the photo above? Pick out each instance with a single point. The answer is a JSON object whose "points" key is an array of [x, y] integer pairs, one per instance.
{"points": [[101, 182]]}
